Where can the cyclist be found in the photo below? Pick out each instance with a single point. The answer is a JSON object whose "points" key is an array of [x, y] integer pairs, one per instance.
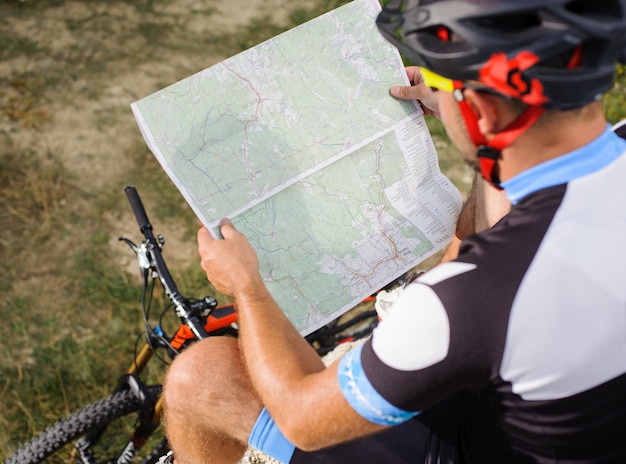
{"points": [[515, 352]]}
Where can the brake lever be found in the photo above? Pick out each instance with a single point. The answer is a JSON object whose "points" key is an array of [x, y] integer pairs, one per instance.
{"points": [[145, 264]]}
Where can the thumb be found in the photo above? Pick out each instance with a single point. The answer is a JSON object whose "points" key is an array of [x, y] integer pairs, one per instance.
{"points": [[402, 92], [227, 229]]}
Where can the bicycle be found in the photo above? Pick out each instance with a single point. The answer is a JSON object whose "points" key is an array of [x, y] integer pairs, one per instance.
{"points": [[133, 399]]}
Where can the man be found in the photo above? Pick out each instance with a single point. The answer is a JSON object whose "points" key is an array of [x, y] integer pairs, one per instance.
{"points": [[515, 352]]}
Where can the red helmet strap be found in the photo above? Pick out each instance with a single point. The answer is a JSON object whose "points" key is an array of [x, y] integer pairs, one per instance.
{"points": [[510, 133], [489, 151]]}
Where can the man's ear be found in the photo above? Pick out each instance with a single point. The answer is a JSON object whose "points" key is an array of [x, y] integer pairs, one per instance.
{"points": [[488, 110]]}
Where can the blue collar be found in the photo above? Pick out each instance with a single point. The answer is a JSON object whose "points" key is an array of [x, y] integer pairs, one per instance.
{"points": [[585, 160]]}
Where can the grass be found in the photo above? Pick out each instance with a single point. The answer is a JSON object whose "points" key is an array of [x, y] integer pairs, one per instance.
{"points": [[69, 310]]}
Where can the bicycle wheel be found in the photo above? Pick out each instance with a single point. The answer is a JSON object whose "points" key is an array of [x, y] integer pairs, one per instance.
{"points": [[66, 430]]}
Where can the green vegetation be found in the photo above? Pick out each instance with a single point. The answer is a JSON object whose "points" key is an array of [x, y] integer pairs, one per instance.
{"points": [[615, 99], [69, 306]]}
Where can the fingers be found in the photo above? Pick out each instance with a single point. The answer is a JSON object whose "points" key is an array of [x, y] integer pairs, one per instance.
{"points": [[422, 95], [204, 235], [414, 74], [230, 263], [418, 91], [415, 91], [205, 239]]}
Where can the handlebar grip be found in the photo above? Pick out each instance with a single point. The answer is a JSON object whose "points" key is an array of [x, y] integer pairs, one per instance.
{"points": [[137, 206]]}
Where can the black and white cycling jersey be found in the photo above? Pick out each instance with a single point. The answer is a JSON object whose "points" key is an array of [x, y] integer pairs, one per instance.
{"points": [[532, 314]]}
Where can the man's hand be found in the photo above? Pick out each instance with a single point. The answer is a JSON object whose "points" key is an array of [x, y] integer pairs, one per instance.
{"points": [[417, 91], [230, 264]]}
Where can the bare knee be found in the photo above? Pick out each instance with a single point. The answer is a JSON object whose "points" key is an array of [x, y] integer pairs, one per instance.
{"points": [[187, 376], [207, 388]]}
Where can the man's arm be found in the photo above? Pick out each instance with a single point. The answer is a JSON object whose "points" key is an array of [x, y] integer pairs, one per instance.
{"points": [[301, 394]]}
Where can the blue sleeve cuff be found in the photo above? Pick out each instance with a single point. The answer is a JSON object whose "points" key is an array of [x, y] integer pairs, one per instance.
{"points": [[267, 437], [362, 396]]}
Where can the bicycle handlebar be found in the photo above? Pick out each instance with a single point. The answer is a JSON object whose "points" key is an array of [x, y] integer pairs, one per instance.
{"points": [[182, 307], [188, 310], [137, 206]]}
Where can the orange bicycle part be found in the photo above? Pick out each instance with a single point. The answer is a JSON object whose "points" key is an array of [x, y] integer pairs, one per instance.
{"points": [[220, 318]]}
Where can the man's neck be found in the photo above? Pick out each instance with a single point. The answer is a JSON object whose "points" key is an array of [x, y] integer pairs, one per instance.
{"points": [[555, 134]]}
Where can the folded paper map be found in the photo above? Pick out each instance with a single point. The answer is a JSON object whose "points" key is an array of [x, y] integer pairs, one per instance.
{"points": [[334, 182]]}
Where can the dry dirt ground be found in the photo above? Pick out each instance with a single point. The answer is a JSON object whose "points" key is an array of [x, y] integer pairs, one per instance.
{"points": [[70, 70], [69, 98]]}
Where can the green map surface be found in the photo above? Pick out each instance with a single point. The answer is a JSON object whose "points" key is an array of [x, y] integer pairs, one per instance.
{"points": [[297, 140]]}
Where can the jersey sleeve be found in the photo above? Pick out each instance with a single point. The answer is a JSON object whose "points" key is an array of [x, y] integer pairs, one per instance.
{"points": [[408, 339], [362, 396], [411, 362]]}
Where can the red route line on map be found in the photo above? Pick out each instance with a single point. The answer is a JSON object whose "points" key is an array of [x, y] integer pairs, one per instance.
{"points": [[382, 228], [245, 130]]}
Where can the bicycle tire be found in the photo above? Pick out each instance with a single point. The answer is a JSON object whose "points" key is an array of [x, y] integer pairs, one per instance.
{"points": [[77, 424]]}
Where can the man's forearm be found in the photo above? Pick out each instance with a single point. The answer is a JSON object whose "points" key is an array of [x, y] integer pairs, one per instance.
{"points": [[277, 356], [302, 395]]}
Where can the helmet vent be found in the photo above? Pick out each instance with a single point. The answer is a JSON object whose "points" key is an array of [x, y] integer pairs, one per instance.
{"points": [[508, 23], [440, 39], [595, 9]]}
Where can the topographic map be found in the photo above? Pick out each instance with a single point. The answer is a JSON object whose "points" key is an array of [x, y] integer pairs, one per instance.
{"points": [[334, 182]]}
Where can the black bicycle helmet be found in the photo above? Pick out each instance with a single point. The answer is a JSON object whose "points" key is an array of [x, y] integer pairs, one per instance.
{"points": [[549, 53]]}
